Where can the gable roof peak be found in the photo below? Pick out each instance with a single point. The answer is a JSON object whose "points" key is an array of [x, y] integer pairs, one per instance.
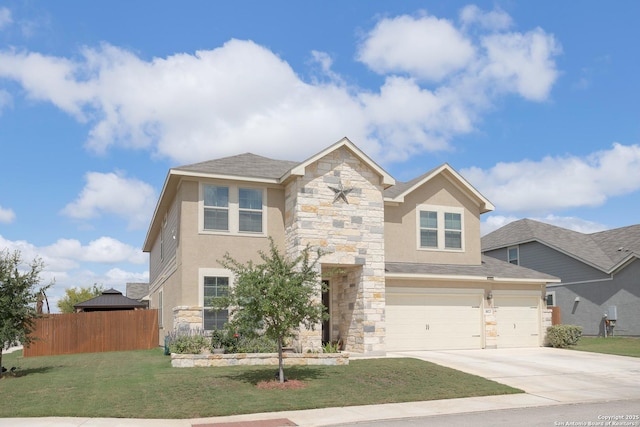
{"points": [[299, 170], [398, 192]]}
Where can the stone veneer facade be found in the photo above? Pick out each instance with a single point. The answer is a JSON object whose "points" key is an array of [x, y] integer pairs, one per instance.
{"points": [[351, 236]]}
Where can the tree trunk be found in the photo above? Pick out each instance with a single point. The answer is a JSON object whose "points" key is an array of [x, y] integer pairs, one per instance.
{"points": [[1, 348], [280, 361]]}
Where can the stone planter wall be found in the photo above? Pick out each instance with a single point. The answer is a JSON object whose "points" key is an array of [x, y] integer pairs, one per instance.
{"points": [[255, 359]]}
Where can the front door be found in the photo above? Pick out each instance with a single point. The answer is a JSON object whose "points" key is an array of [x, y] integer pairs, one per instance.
{"points": [[326, 324]]}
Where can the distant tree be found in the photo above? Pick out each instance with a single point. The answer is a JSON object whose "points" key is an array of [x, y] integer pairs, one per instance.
{"points": [[18, 297], [275, 296], [77, 295]]}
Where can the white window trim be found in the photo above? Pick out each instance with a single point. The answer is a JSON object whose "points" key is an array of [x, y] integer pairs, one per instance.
{"points": [[233, 209], [517, 248], [553, 296], [440, 211], [210, 272]]}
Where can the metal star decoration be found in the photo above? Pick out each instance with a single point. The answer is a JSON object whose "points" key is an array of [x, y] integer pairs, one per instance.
{"points": [[341, 193]]}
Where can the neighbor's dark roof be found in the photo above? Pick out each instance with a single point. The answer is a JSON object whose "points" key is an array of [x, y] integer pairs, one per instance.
{"points": [[246, 165], [110, 298], [490, 267], [603, 250]]}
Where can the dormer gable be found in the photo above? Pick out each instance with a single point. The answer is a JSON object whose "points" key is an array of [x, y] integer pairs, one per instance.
{"points": [[397, 193]]}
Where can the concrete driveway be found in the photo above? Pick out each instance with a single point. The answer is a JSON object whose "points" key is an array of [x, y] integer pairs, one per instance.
{"points": [[562, 376]]}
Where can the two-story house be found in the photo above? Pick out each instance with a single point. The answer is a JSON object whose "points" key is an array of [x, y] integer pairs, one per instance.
{"points": [[410, 271], [600, 272]]}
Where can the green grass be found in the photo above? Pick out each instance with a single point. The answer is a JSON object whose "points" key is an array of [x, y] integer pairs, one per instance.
{"points": [[621, 346], [142, 384]]}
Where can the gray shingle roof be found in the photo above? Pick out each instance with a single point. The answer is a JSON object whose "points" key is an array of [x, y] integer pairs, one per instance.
{"points": [[490, 267], [598, 249], [245, 165], [401, 187], [137, 291], [110, 298]]}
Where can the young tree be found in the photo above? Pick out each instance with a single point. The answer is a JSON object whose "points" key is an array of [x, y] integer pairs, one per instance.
{"points": [[17, 299], [74, 296], [275, 296]]}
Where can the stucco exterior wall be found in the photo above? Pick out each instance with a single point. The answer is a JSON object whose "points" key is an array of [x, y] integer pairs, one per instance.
{"points": [[401, 229], [200, 249]]}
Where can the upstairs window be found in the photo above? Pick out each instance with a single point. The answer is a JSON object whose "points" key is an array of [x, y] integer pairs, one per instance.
{"points": [[232, 209], [513, 255], [216, 208], [452, 230], [250, 209], [428, 229], [440, 228]]}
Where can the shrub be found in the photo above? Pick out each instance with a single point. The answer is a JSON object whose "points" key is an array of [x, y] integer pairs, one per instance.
{"points": [[260, 344], [563, 336], [330, 347], [187, 341]]}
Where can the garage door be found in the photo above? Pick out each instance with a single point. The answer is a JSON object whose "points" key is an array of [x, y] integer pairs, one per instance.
{"points": [[422, 321], [518, 321]]}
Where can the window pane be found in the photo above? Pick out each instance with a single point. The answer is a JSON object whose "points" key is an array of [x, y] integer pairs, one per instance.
{"points": [[513, 255], [216, 196], [214, 319], [428, 238], [216, 219], [453, 239], [452, 221], [250, 198], [550, 301], [215, 287], [428, 219], [251, 221]]}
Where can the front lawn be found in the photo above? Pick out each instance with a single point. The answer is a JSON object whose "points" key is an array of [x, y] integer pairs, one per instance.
{"points": [[142, 384], [622, 346]]}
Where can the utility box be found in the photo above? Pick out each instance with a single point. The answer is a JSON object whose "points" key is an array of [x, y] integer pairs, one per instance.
{"points": [[612, 313]]}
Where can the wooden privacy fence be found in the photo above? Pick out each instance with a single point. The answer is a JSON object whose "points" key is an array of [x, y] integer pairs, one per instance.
{"points": [[94, 332], [556, 319]]}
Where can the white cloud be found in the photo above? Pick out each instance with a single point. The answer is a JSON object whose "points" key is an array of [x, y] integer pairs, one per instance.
{"points": [[67, 261], [7, 216], [556, 183], [439, 82], [6, 100], [102, 250], [5, 17], [522, 63], [113, 193], [426, 47], [493, 20]]}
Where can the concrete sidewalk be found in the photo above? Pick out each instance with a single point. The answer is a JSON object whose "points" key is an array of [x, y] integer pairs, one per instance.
{"points": [[306, 418], [548, 376]]}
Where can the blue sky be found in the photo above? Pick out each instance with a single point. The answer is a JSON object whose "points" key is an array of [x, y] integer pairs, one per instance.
{"points": [[535, 103]]}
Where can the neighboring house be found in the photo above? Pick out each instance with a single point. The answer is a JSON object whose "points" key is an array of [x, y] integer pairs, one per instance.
{"points": [[109, 300], [600, 272], [411, 274], [138, 291]]}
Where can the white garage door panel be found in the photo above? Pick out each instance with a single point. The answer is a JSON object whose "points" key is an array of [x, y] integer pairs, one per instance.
{"points": [[433, 321], [518, 321]]}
